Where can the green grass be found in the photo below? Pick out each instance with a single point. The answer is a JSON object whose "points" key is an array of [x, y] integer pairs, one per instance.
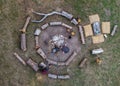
{"points": [[11, 20]]}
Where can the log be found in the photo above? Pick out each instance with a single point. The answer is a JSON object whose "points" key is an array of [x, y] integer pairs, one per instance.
{"points": [[74, 21], [41, 53], [44, 26], [70, 58], [83, 62], [37, 32], [67, 26], [63, 76], [20, 59], [81, 34], [97, 51], [114, 30], [67, 15], [33, 64], [55, 23], [25, 25], [53, 76], [23, 42], [37, 42]]}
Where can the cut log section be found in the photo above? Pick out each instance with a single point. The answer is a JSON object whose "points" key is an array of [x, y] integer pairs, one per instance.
{"points": [[83, 62], [23, 42], [25, 25], [67, 15], [97, 51], [55, 23], [72, 56], [41, 53], [67, 26], [37, 32], [43, 27], [114, 30], [20, 59], [37, 42], [81, 34], [74, 21], [33, 64]]}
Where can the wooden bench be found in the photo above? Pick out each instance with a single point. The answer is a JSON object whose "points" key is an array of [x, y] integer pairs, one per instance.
{"points": [[70, 58], [41, 53]]}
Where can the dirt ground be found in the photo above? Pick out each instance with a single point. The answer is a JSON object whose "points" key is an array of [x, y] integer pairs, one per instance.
{"points": [[12, 17]]}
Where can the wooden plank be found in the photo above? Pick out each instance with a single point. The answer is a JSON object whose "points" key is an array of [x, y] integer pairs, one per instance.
{"points": [[106, 27], [81, 34], [72, 56], [114, 30], [88, 30], [20, 59], [23, 42], [98, 39], [94, 18], [83, 62]]}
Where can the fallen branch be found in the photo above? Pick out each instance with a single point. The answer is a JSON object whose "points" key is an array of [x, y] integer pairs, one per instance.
{"points": [[20, 59], [25, 25]]}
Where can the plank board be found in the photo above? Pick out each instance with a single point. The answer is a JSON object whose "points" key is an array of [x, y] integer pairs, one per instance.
{"points": [[106, 27], [94, 18], [98, 39], [88, 30]]}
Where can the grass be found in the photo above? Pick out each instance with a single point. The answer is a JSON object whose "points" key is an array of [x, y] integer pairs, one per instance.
{"points": [[12, 18]]}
